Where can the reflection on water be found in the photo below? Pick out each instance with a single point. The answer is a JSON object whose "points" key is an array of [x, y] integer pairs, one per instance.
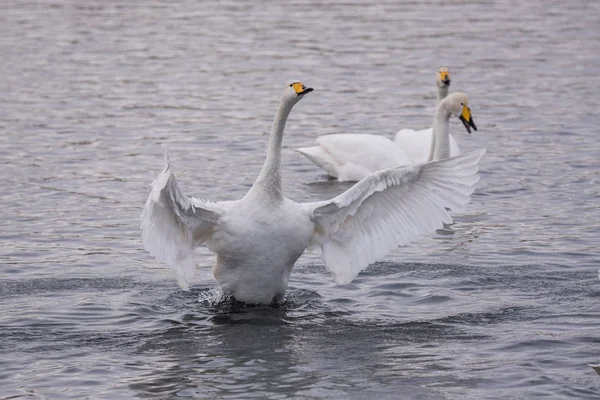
{"points": [[243, 349], [500, 304]]}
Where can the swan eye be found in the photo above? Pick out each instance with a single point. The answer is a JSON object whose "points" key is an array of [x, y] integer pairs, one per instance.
{"points": [[291, 84]]}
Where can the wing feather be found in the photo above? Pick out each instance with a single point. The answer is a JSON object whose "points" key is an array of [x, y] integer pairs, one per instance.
{"points": [[173, 224], [390, 208]]}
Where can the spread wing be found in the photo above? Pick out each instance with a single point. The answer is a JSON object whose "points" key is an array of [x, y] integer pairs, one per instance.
{"points": [[173, 224], [390, 208]]}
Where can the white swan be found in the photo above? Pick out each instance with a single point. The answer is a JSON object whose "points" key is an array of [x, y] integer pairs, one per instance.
{"points": [[416, 144], [258, 239], [351, 157]]}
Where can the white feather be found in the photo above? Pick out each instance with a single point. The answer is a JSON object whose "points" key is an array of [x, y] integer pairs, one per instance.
{"points": [[258, 238], [173, 225], [388, 209], [417, 144], [351, 157]]}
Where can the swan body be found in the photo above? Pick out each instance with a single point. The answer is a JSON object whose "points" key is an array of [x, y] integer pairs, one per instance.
{"points": [[416, 144], [258, 238], [254, 261], [343, 156], [351, 157]]}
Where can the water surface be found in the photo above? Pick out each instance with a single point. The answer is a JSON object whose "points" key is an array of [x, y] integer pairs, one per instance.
{"points": [[503, 304]]}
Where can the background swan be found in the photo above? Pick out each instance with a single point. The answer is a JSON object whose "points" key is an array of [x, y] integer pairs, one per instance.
{"points": [[258, 238], [351, 157], [416, 144]]}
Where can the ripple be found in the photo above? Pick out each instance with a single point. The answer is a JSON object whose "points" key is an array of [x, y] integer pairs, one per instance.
{"points": [[503, 301]]}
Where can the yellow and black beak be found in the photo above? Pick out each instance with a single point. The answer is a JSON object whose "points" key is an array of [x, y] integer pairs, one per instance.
{"points": [[467, 119], [445, 77], [300, 89]]}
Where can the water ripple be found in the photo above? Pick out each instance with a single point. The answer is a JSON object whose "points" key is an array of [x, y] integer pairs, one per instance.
{"points": [[502, 303]]}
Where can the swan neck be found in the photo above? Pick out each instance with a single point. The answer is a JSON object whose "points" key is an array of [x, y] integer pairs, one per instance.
{"points": [[442, 92], [269, 179], [440, 145]]}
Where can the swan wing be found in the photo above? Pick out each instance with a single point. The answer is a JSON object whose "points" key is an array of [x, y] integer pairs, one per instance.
{"points": [[390, 208], [173, 224]]}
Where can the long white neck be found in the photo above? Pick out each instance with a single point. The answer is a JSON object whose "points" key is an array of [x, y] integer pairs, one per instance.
{"points": [[440, 144], [269, 179], [442, 92]]}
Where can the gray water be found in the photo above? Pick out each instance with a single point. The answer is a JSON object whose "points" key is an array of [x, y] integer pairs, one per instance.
{"points": [[502, 304]]}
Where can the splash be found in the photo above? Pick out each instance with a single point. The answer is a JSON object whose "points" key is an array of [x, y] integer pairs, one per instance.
{"points": [[211, 297]]}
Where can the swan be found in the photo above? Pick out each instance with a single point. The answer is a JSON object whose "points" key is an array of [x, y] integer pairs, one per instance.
{"points": [[351, 157], [416, 144], [258, 238]]}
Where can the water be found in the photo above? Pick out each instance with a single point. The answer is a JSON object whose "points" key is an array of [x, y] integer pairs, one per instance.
{"points": [[503, 304]]}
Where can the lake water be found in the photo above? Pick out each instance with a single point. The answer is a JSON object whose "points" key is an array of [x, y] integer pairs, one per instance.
{"points": [[505, 303]]}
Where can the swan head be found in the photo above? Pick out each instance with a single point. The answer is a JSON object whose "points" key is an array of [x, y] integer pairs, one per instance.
{"points": [[443, 78], [458, 105], [295, 90]]}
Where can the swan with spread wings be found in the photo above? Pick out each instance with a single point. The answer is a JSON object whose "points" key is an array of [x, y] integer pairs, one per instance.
{"points": [[258, 238]]}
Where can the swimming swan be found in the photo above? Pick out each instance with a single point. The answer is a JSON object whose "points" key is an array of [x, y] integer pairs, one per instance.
{"points": [[258, 238], [351, 157], [416, 144]]}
